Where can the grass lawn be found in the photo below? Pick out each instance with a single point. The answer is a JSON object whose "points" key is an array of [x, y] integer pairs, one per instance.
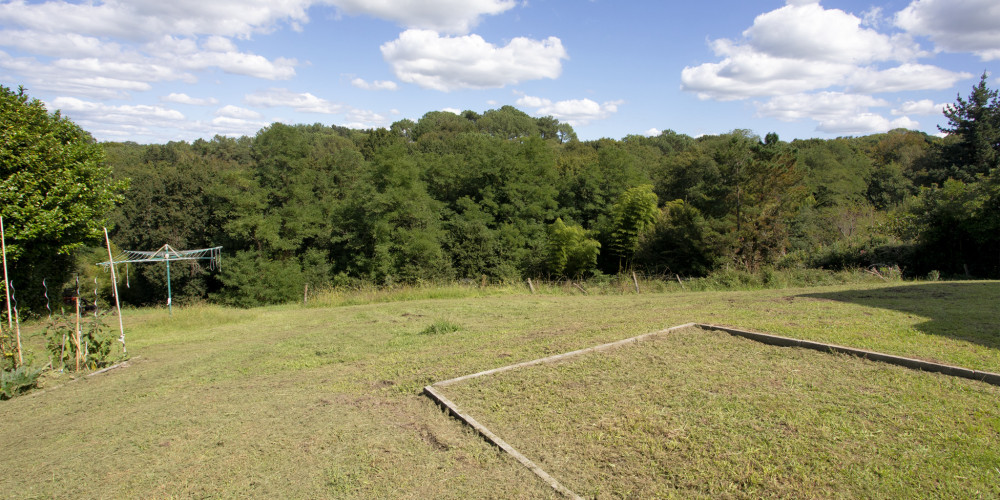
{"points": [[697, 413], [325, 401]]}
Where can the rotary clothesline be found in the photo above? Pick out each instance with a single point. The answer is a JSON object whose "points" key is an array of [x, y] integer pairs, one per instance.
{"points": [[165, 254], [168, 253]]}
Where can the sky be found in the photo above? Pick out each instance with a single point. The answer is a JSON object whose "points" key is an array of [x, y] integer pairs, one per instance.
{"points": [[153, 71]]}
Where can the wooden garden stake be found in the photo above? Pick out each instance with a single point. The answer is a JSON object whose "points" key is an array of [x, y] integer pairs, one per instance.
{"points": [[635, 281], [531, 287], [114, 283], [17, 334], [76, 336], [305, 295], [6, 286]]}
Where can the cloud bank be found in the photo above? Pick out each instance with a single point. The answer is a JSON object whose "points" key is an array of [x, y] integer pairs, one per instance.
{"points": [[809, 62]]}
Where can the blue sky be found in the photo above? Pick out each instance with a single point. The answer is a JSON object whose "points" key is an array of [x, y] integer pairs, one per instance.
{"points": [[152, 71]]}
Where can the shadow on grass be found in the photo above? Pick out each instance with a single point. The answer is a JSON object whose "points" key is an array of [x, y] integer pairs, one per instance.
{"points": [[968, 311]]}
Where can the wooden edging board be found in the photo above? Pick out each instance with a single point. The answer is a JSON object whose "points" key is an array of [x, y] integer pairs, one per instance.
{"points": [[916, 364], [106, 369], [765, 338]]}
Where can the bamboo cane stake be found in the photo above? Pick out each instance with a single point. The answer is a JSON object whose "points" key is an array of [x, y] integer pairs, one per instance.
{"points": [[76, 335], [17, 326], [17, 333], [114, 283]]}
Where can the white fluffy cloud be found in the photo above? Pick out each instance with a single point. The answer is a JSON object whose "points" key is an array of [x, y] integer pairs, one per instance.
{"points": [[232, 126], [299, 101], [150, 19], [835, 112], [230, 111], [820, 64], [181, 38], [810, 32], [746, 72], [361, 83], [118, 121], [921, 107], [305, 102], [822, 105], [136, 20], [862, 124], [802, 47], [106, 50], [956, 25], [447, 16], [438, 62], [151, 112], [575, 112], [182, 98], [904, 77], [57, 44]]}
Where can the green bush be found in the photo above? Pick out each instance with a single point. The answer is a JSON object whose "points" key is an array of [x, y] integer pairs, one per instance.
{"points": [[680, 242], [570, 252], [96, 343], [861, 253], [250, 280], [18, 381]]}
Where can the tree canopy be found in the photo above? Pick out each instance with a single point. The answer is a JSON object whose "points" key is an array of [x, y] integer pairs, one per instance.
{"points": [[55, 187], [505, 195]]}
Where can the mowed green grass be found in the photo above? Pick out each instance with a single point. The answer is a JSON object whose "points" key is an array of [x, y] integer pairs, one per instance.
{"points": [[703, 414], [325, 401]]}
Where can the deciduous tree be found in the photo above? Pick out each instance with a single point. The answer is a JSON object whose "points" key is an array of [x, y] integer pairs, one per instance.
{"points": [[55, 188]]}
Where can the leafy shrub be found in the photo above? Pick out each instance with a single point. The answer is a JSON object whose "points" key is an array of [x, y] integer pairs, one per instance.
{"points": [[18, 381], [862, 253], [680, 242], [570, 251], [250, 280], [96, 343], [632, 215]]}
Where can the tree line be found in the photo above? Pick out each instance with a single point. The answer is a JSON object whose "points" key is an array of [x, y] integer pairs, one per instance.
{"points": [[505, 195]]}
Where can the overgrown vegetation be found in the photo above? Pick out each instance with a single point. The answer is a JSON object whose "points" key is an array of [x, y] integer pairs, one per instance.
{"points": [[18, 380], [89, 348]]}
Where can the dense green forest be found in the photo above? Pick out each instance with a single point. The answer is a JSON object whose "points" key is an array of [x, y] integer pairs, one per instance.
{"points": [[507, 196]]}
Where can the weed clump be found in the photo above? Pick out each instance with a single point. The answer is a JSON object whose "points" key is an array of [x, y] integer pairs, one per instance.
{"points": [[440, 326], [18, 381]]}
